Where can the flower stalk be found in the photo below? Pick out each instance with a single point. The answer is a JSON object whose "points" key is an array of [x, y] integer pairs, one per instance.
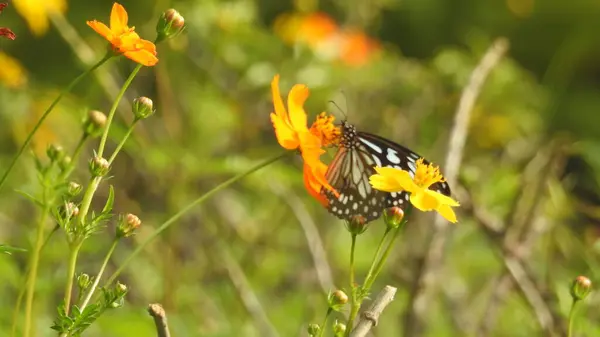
{"points": [[99, 276]]}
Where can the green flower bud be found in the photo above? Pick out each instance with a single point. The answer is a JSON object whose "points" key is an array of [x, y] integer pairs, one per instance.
{"points": [[74, 189], [127, 226], [170, 24], [580, 288], [393, 217], [55, 152], [314, 329], [120, 289], [83, 281], [99, 166], [142, 107], [94, 123], [69, 210], [357, 225], [65, 163], [339, 328], [337, 299]]}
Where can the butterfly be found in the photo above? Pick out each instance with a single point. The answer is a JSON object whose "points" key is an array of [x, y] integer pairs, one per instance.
{"points": [[357, 155]]}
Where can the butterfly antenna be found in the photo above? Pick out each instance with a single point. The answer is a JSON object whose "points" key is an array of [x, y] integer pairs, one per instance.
{"points": [[340, 109]]}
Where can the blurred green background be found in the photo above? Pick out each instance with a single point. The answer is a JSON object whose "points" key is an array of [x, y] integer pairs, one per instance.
{"points": [[258, 258]]}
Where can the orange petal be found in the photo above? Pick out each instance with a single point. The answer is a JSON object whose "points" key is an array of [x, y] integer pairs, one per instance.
{"points": [[277, 101], [287, 138], [118, 19], [142, 57], [312, 185], [101, 29], [296, 98]]}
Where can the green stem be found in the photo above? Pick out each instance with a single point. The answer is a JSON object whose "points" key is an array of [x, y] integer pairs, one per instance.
{"points": [[354, 305], [189, 207], [99, 276], [329, 310], [379, 266], [66, 90], [572, 316], [122, 143], [114, 107], [71, 274], [32, 276], [377, 253]]}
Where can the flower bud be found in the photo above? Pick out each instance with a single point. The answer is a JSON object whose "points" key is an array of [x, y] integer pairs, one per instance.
{"points": [[83, 281], [337, 299], [65, 163], [94, 123], [393, 217], [170, 24], [99, 166], [69, 210], [120, 289], [55, 152], [357, 225], [142, 107], [74, 189], [339, 328], [128, 225], [580, 288], [314, 329]]}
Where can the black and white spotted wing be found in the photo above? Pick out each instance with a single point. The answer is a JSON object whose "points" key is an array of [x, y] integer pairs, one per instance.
{"points": [[353, 164]]}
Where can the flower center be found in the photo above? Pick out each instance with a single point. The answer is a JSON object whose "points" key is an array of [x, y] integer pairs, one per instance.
{"points": [[323, 127], [427, 175]]}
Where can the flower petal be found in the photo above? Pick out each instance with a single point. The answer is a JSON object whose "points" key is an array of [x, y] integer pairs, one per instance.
{"points": [[277, 101], [142, 57], [101, 29], [296, 98], [312, 185], [424, 201], [389, 179], [118, 19], [447, 212], [287, 138]]}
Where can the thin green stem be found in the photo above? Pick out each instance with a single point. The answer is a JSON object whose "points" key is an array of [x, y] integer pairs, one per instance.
{"points": [[329, 310], [354, 305], [574, 306], [189, 207], [99, 276], [114, 107], [122, 143], [32, 276], [377, 253], [74, 252], [66, 90]]}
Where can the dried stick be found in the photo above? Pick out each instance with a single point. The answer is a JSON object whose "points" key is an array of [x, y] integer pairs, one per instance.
{"points": [[160, 319], [369, 318], [426, 278]]}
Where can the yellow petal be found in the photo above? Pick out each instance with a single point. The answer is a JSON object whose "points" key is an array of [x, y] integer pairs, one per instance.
{"points": [[424, 201], [118, 19], [443, 199], [447, 212], [277, 101], [296, 98], [389, 179], [287, 138]]}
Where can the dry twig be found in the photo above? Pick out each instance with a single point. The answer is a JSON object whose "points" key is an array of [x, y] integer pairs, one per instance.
{"points": [[426, 278], [160, 319], [369, 318]]}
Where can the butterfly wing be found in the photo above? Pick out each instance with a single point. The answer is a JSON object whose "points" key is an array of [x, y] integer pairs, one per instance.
{"points": [[389, 154], [349, 174]]}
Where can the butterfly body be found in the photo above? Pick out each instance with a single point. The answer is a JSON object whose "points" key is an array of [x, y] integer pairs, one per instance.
{"points": [[358, 153]]}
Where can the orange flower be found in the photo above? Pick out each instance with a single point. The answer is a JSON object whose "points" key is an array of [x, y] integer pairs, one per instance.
{"points": [[357, 48], [292, 133], [124, 39]]}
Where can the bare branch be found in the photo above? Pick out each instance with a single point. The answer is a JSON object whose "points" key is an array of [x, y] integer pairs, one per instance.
{"points": [[434, 254], [160, 319], [369, 318]]}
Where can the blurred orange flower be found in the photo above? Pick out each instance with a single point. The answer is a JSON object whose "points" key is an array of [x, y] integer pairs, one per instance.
{"points": [[357, 48], [124, 39], [292, 133]]}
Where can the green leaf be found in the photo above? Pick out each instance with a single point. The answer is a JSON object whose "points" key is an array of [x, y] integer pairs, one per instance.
{"points": [[6, 249], [109, 202], [31, 198]]}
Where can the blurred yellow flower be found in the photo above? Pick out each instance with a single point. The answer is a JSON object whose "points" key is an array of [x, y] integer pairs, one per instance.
{"points": [[389, 179], [12, 73], [36, 12]]}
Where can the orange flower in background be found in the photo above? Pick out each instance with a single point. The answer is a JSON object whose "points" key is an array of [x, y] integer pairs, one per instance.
{"points": [[316, 28], [357, 48], [292, 133], [124, 39]]}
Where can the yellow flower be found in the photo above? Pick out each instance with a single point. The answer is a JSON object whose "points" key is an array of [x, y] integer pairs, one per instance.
{"points": [[124, 39], [293, 133], [390, 179], [36, 13], [12, 73]]}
